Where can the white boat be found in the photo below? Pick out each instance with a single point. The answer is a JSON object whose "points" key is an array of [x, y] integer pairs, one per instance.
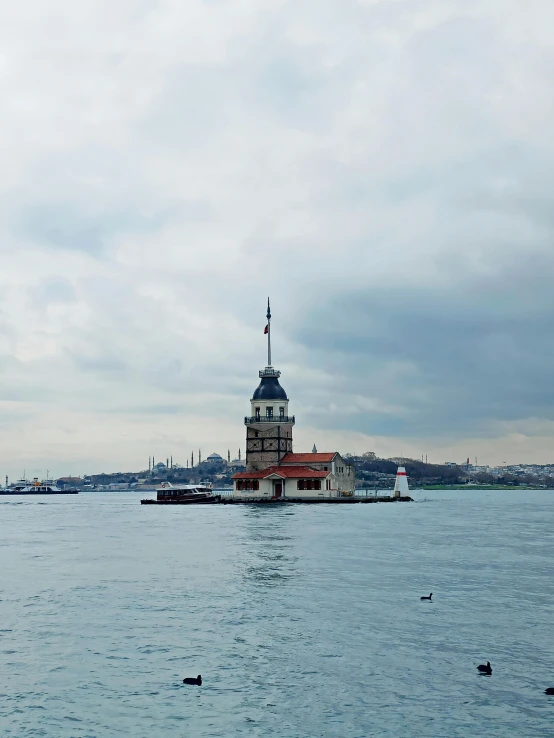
{"points": [[46, 487]]}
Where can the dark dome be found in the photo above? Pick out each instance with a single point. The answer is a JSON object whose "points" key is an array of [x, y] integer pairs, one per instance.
{"points": [[269, 389]]}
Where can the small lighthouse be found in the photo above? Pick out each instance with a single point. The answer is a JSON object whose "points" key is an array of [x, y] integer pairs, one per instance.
{"points": [[401, 488]]}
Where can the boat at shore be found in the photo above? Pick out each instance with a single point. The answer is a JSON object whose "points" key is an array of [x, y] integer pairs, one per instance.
{"points": [[46, 487], [183, 494]]}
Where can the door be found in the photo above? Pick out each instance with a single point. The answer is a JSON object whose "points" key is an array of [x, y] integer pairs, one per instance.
{"points": [[278, 489]]}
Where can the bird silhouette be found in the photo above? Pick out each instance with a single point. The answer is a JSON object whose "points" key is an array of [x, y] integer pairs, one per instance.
{"points": [[426, 598], [485, 669], [193, 680]]}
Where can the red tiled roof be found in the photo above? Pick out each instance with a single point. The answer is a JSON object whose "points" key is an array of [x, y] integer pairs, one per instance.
{"points": [[249, 475], [308, 458], [287, 472]]}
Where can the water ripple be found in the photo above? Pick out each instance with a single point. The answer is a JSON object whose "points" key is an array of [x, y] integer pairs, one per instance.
{"points": [[305, 621]]}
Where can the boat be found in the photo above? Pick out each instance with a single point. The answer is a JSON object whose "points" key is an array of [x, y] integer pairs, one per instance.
{"points": [[183, 494], [46, 487]]}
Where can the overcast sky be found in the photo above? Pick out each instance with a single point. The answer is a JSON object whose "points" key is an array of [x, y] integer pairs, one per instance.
{"points": [[384, 169]]}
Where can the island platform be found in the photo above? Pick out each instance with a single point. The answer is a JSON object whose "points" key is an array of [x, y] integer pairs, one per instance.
{"points": [[229, 500]]}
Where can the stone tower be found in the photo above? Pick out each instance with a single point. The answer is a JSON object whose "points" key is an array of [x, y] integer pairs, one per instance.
{"points": [[269, 426]]}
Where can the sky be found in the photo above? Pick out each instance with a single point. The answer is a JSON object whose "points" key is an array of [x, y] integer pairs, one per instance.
{"points": [[382, 169]]}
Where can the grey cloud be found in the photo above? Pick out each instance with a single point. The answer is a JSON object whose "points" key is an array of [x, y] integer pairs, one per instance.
{"points": [[63, 226], [54, 290], [101, 364], [475, 352], [382, 170]]}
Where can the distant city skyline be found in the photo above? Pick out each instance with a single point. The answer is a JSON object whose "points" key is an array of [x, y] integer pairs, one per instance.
{"points": [[383, 170]]}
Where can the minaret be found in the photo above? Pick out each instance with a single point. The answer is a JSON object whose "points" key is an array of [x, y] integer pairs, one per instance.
{"points": [[269, 427]]}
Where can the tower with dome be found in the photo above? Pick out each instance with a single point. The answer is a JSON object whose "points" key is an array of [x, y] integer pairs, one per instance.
{"points": [[273, 470], [269, 425]]}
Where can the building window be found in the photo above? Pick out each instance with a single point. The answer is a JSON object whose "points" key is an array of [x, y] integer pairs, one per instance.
{"points": [[282, 412], [327, 484], [308, 484], [269, 412], [257, 413], [250, 485], [325, 468], [256, 434]]}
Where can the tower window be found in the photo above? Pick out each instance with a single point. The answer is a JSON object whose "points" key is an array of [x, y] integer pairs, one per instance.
{"points": [[282, 412], [269, 412], [257, 412]]}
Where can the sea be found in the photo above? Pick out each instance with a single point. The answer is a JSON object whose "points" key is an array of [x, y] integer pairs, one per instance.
{"points": [[302, 620]]}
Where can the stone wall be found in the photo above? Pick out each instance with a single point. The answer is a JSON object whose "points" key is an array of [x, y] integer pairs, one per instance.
{"points": [[265, 446]]}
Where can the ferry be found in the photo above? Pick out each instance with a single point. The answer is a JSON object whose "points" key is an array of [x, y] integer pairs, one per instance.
{"points": [[46, 487], [183, 494]]}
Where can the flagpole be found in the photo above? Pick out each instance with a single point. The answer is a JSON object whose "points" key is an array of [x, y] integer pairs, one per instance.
{"points": [[268, 334]]}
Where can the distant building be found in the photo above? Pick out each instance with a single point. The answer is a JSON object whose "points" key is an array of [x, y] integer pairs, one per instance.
{"points": [[236, 465], [69, 481]]}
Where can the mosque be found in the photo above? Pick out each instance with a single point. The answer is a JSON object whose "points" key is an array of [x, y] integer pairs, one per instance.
{"points": [[273, 470]]}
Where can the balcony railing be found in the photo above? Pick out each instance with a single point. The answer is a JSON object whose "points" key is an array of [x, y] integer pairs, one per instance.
{"points": [[269, 371], [269, 419]]}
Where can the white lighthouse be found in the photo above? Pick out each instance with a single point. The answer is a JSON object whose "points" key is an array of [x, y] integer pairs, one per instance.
{"points": [[401, 488]]}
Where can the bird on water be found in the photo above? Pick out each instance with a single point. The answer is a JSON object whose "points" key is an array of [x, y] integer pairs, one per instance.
{"points": [[550, 690], [426, 598], [192, 680], [485, 669]]}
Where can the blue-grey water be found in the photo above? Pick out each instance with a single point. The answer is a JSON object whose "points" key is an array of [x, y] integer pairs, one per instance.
{"points": [[303, 621]]}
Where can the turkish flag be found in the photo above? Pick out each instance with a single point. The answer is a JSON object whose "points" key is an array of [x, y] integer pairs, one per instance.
{"points": [[266, 329]]}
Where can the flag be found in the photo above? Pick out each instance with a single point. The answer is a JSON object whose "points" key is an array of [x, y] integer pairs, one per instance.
{"points": [[266, 329]]}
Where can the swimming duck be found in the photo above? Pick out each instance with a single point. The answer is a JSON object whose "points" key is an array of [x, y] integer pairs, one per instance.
{"points": [[485, 669], [192, 680], [426, 598]]}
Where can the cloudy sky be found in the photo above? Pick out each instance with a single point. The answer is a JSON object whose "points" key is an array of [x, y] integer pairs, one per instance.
{"points": [[384, 169]]}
